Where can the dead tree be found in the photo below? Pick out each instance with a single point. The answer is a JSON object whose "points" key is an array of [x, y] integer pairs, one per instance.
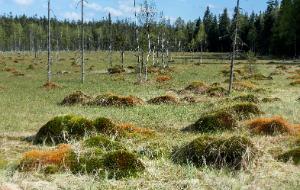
{"points": [[234, 48], [49, 44], [82, 42], [110, 40]]}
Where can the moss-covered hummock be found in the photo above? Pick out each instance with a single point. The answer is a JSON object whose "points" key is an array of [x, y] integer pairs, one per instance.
{"points": [[293, 155], [295, 83], [120, 164], [270, 100], [116, 100], [271, 126], [235, 152], [198, 87], [61, 129], [216, 91], [244, 85], [167, 99], [77, 97], [103, 142], [244, 110], [247, 98], [213, 122], [116, 70]]}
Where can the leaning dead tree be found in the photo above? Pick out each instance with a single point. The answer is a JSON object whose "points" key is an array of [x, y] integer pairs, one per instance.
{"points": [[234, 49], [49, 44]]}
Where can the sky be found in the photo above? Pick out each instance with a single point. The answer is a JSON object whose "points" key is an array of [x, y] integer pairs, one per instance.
{"points": [[97, 9]]}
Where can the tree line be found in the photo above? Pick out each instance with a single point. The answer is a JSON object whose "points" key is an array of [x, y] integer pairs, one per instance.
{"points": [[274, 31]]}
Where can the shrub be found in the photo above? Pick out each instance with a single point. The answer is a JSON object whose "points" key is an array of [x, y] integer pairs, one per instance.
{"points": [[163, 78], [37, 159], [77, 97], [120, 164], [270, 126], [62, 129], [235, 152], [167, 99], [293, 155], [213, 122], [116, 70], [247, 98], [116, 100]]}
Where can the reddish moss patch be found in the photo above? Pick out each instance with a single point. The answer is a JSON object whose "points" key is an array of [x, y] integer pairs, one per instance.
{"points": [[51, 86], [270, 126], [77, 97], [163, 78], [37, 159], [167, 99]]}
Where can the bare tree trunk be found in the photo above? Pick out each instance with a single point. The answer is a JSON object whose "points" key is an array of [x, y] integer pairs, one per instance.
{"points": [[138, 44], [49, 44], [163, 52], [122, 58], [157, 51], [201, 59], [110, 41], [234, 49], [82, 43]]}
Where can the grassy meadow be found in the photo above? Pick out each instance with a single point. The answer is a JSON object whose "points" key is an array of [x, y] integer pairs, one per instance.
{"points": [[25, 106]]}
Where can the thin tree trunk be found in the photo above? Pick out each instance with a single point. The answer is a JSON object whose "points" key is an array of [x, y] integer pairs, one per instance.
{"points": [[82, 43], [234, 49], [49, 44]]}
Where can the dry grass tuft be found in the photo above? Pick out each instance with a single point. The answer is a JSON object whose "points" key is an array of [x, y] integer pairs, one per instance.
{"points": [[295, 83], [244, 85], [167, 99], [271, 126]]}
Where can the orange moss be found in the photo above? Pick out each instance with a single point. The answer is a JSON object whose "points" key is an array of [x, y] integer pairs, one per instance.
{"points": [[130, 128], [8, 69], [163, 78], [271, 126], [38, 158], [51, 86]]}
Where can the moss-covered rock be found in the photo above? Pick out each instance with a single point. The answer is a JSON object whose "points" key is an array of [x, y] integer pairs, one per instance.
{"points": [[120, 164], [235, 152], [61, 129], [247, 98], [293, 155], [167, 99]]}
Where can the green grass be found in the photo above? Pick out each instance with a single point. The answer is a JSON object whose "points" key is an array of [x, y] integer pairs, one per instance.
{"points": [[25, 106]]}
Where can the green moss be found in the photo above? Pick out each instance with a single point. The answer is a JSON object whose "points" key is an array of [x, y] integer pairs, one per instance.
{"points": [[103, 143], [213, 122], [63, 128], [235, 152], [244, 110], [216, 91], [77, 97], [105, 126], [247, 98], [293, 155], [270, 100], [3, 162], [51, 169], [120, 164], [116, 70]]}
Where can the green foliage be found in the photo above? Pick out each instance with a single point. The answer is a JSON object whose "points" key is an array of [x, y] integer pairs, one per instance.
{"points": [[105, 126], [235, 152], [102, 142]]}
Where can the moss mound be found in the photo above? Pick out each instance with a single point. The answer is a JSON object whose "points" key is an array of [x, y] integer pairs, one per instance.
{"points": [[259, 77], [167, 99], [116, 70], [51, 86], [235, 152], [116, 100], [120, 164], [77, 97], [270, 100], [293, 155], [219, 121], [216, 91], [270, 126], [282, 67], [163, 78], [198, 87], [244, 85], [63, 129], [244, 110], [106, 126], [295, 83], [102, 142], [247, 98]]}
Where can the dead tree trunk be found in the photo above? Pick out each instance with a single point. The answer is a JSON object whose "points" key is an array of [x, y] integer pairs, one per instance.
{"points": [[49, 44], [234, 49], [82, 43]]}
